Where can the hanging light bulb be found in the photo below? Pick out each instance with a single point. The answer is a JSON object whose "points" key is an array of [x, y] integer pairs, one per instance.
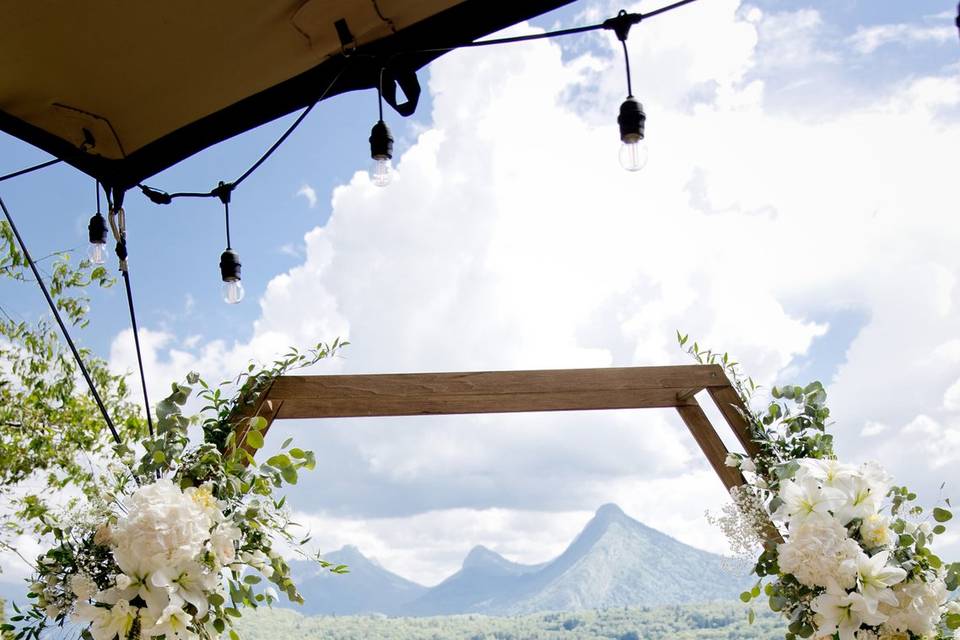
{"points": [[230, 274], [97, 229], [229, 259], [381, 150], [633, 151]]}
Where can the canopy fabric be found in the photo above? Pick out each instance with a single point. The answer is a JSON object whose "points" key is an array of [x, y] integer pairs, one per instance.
{"points": [[122, 90]]}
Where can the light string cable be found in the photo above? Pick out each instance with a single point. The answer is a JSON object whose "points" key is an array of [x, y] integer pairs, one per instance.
{"points": [[36, 167], [623, 19], [158, 196], [63, 327], [611, 24], [118, 223]]}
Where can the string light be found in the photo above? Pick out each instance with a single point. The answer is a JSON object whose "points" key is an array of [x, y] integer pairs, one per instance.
{"points": [[381, 145], [633, 151], [381, 150], [229, 259], [97, 234], [632, 119]]}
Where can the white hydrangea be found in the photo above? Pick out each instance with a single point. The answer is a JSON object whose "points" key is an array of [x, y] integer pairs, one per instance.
{"points": [[818, 553], [162, 528], [918, 608], [82, 586]]}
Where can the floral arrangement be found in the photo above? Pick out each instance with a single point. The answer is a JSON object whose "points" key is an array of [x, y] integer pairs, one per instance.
{"points": [[178, 538], [846, 554]]}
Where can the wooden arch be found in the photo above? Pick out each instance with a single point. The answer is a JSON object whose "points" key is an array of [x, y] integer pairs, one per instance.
{"points": [[410, 394]]}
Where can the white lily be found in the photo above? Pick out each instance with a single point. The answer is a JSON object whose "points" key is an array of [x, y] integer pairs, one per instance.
{"points": [[805, 499], [173, 624], [842, 613], [861, 498], [827, 472], [191, 584], [875, 578], [117, 622], [140, 584]]}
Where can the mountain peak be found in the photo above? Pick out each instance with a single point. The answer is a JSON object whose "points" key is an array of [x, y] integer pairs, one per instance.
{"points": [[480, 556], [610, 511], [348, 554]]}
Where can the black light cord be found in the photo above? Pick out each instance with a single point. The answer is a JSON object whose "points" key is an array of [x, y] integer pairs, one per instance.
{"points": [[621, 24], [510, 39], [158, 196], [380, 92], [626, 60], [63, 327], [610, 24], [226, 214], [622, 21], [36, 167], [136, 343]]}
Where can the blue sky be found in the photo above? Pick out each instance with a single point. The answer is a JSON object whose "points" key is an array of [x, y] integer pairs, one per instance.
{"points": [[797, 210]]}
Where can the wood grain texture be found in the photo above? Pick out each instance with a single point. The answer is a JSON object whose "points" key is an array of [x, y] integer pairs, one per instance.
{"points": [[729, 403], [491, 391], [710, 443], [449, 403]]}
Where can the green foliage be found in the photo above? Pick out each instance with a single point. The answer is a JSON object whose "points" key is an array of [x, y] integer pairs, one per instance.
{"points": [[793, 427], [219, 472], [48, 420], [6, 629], [714, 621]]}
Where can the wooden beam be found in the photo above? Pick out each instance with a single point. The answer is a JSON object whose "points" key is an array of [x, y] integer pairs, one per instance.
{"points": [[731, 406], [491, 391], [264, 407], [710, 443], [716, 452]]}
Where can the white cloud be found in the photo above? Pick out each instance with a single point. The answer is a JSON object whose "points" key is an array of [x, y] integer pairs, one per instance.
{"points": [[511, 239], [790, 40], [866, 40], [873, 429], [309, 193], [292, 250], [951, 398]]}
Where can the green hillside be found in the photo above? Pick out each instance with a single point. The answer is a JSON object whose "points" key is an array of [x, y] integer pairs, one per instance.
{"points": [[715, 621]]}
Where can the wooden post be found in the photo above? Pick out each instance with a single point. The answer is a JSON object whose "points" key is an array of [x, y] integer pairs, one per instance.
{"points": [[710, 443], [730, 404]]}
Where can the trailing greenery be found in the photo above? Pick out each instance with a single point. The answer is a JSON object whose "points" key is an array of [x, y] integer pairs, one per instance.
{"points": [[49, 423], [175, 538]]}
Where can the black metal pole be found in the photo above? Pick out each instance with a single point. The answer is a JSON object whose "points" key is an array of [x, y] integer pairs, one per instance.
{"points": [[63, 327]]}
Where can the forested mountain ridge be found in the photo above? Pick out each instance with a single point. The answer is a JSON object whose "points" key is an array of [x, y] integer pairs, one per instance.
{"points": [[615, 561], [714, 621]]}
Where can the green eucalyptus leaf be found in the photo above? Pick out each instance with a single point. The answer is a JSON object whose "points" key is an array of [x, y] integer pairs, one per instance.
{"points": [[255, 439], [941, 515]]}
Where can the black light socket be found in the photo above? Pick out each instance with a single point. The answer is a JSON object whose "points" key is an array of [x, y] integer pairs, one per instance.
{"points": [[381, 142], [97, 229], [632, 120], [230, 266]]}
